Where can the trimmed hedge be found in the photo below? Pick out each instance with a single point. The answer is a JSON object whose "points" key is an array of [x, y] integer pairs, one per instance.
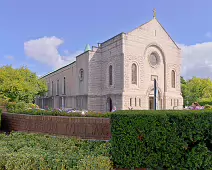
{"points": [[162, 139], [30, 151], [58, 113]]}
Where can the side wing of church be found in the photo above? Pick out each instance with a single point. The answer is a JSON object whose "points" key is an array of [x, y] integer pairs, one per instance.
{"points": [[120, 72]]}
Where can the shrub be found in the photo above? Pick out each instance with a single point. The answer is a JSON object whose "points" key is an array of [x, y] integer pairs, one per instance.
{"points": [[31, 151], [59, 113], [0, 117], [14, 107], [208, 107], [94, 163], [3, 102], [162, 139], [205, 101]]}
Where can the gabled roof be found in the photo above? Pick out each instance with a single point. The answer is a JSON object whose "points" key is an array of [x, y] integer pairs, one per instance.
{"points": [[162, 28], [168, 34]]}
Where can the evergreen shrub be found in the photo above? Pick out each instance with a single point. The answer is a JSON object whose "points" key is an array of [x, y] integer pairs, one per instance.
{"points": [[0, 117], [60, 113], [32, 151], [162, 139]]}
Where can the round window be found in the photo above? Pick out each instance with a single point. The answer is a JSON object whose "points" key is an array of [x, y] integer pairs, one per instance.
{"points": [[81, 74], [153, 59]]}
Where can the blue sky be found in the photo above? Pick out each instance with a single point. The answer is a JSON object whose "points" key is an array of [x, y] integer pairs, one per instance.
{"points": [[32, 33]]}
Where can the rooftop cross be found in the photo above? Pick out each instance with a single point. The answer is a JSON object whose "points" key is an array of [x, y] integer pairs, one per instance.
{"points": [[154, 13]]}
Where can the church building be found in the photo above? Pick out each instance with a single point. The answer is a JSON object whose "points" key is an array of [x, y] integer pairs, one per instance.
{"points": [[120, 72]]}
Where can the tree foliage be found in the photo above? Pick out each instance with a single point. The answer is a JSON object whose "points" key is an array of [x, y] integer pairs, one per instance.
{"points": [[196, 89], [20, 84]]}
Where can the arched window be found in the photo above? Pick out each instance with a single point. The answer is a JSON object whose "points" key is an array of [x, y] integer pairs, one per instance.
{"points": [[81, 74], [110, 75], [173, 79], [134, 74], [64, 85], [130, 101]]}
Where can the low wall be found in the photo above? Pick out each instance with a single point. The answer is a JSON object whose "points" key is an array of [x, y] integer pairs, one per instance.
{"points": [[82, 127]]}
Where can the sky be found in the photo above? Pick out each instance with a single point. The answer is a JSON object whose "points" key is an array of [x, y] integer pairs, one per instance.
{"points": [[47, 34]]}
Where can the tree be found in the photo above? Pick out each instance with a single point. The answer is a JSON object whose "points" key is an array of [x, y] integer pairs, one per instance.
{"points": [[20, 84], [196, 89]]}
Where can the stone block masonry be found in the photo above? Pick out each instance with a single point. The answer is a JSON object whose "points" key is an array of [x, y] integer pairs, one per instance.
{"points": [[81, 127]]}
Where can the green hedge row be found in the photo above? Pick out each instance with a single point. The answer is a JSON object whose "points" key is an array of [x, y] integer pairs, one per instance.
{"points": [[58, 113], [30, 151], [162, 139]]}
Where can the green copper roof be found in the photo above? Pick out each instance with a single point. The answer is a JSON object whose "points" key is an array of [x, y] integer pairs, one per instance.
{"points": [[87, 48]]}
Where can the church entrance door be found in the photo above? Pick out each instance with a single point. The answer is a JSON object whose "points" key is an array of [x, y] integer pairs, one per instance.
{"points": [[151, 100], [151, 103], [109, 104]]}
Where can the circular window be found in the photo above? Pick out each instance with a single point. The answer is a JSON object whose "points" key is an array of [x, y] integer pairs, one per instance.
{"points": [[81, 74], [154, 59]]}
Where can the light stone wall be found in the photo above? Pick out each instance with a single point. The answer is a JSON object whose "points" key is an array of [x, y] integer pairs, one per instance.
{"points": [[138, 45], [109, 53]]}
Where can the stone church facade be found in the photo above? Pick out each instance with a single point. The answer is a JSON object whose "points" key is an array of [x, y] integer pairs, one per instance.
{"points": [[120, 72]]}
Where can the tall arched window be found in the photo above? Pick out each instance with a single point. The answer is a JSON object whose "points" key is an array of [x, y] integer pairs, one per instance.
{"points": [[173, 79], [134, 74], [130, 101], [110, 75]]}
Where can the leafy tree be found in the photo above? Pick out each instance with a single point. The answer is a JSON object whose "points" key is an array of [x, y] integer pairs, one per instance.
{"points": [[20, 84], [184, 88], [196, 89]]}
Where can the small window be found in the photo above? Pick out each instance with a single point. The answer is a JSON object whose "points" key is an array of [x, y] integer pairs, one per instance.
{"points": [[177, 102], [134, 74], [110, 75], [130, 101], [58, 88], [64, 85], [52, 88], [81, 74], [48, 93], [135, 102], [140, 102], [173, 77]]}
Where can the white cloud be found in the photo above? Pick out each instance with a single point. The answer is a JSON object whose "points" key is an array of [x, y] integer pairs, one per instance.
{"points": [[9, 57], [208, 34], [197, 60], [45, 50]]}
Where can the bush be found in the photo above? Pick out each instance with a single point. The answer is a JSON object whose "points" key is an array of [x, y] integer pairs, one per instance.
{"points": [[162, 139], [208, 107], [3, 102], [59, 113], [14, 107], [31, 151], [205, 101], [0, 117], [95, 163]]}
